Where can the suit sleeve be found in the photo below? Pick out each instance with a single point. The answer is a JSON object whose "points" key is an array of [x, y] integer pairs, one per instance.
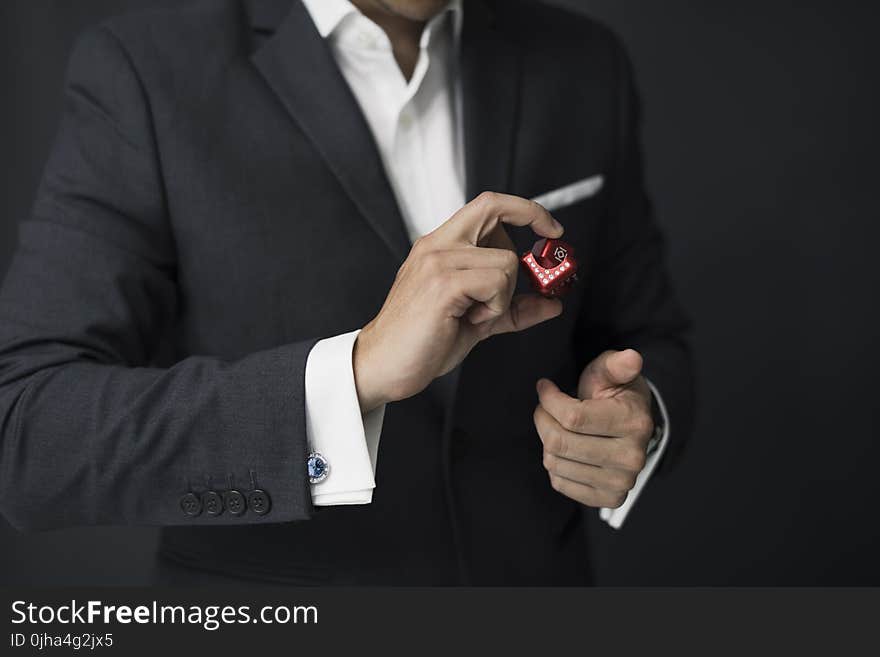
{"points": [[630, 302], [90, 432]]}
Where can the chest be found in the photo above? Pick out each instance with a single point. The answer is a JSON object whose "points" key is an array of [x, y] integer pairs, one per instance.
{"points": [[273, 246]]}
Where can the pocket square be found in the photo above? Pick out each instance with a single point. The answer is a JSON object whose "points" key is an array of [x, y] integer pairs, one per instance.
{"points": [[569, 194]]}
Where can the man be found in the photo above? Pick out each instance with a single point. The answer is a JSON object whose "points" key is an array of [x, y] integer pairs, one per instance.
{"points": [[240, 187]]}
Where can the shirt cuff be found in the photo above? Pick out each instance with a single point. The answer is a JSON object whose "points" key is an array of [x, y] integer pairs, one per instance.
{"points": [[335, 427], [615, 517]]}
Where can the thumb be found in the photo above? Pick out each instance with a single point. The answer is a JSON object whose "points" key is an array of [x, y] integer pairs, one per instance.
{"points": [[609, 370]]}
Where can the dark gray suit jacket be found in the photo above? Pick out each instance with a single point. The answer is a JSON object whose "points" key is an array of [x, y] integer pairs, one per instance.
{"points": [[157, 316]]}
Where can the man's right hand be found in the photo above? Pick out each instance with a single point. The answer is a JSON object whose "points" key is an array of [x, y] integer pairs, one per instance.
{"points": [[454, 290]]}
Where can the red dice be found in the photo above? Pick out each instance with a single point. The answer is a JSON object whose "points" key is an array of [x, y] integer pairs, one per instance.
{"points": [[551, 267]]}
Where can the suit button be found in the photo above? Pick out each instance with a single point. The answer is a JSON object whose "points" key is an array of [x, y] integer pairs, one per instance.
{"points": [[235, 502], [259, 502], [191, 504], [212, 502]]}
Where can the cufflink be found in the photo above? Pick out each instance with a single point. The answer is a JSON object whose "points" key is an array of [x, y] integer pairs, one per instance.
{"points": [[318, 467]]}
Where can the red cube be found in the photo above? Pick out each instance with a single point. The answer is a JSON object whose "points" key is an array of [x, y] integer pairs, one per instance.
{"points": [[551, 266]]}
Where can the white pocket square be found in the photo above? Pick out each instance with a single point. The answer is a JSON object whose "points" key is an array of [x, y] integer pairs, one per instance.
{"points": [[577, 191]]}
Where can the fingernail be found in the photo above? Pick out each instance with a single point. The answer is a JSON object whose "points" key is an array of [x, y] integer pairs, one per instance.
{"points": [[558, 226], [540, 385]]}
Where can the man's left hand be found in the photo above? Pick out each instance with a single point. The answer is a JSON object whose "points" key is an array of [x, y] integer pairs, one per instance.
{"points": [[596, 445]]}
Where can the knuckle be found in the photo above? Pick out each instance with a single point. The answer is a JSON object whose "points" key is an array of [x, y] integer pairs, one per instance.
{"points": [[555, 443], [614, 500], [590, 498], [486, 200], [622, 482], [421, 244], [550, 461], [571, 418], [639, 460], [556, 483], [539, 210], [486, 204], [632, 459], [536, 207], [642, 425], [536, 416], [511, 261]]}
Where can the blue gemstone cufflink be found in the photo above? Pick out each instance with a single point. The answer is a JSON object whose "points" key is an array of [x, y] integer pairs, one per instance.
{"points": [[319, 468]]}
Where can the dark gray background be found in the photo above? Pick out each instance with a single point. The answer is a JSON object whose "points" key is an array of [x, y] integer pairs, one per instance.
{"points": [[762, 156]]}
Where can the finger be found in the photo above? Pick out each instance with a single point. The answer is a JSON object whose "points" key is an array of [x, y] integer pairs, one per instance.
{"points": [[607, 479], [611, 369], [487, 286], [482, 216], [601, 417], [525, 311], [587, 494], [599, 451], [473, 257]]}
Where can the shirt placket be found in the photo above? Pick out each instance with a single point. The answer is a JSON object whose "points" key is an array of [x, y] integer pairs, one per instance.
{"points": [[410, 157]]}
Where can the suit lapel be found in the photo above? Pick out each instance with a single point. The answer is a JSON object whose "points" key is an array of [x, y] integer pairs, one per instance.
{"points": [[300, 68], [490, 78]]}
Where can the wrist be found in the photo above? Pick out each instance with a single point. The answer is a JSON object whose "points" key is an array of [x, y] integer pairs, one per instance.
{"points": [[366, 380]]}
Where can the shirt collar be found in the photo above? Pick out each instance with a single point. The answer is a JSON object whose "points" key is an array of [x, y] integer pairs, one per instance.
{"points": [[329, 14]]}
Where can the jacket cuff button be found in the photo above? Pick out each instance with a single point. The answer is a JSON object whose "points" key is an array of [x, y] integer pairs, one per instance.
{"points": [[212, 502], [259, 502], [191, 504], [235, 502]]}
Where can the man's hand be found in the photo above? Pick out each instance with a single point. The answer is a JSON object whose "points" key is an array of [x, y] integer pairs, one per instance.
{"points": [[454, 289], [595, 446]]}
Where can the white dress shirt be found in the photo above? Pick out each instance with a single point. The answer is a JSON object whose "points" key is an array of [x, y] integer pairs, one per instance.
{"points": [[417, 128]]}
